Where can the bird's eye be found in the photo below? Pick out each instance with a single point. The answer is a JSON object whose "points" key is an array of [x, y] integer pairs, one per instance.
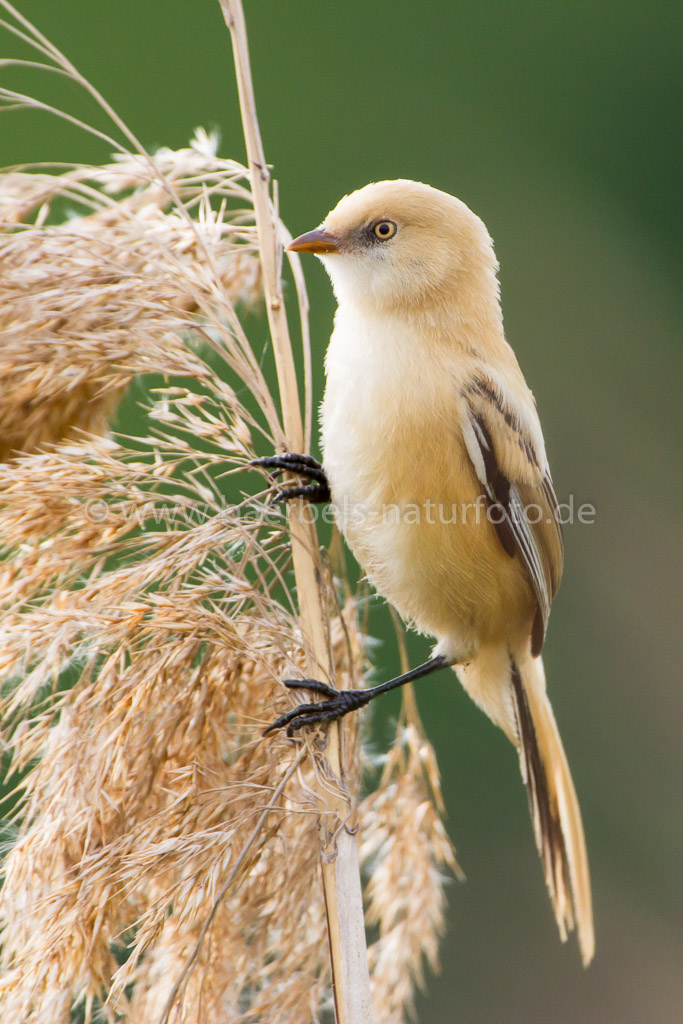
{"points": [[384, 229]]}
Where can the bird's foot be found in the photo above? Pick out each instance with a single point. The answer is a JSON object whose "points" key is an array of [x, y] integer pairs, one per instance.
{"points": [[316, 491], [338, 704]]}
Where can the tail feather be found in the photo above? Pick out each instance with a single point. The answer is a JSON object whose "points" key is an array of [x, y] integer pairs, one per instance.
{"points": [[554, 806], [511, 690]]}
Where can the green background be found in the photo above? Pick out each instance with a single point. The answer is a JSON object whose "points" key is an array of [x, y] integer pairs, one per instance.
{"points": [[559, 124]]}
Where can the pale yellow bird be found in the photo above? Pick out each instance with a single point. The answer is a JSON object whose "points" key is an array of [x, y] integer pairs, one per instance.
{"points": [[435, 463]]}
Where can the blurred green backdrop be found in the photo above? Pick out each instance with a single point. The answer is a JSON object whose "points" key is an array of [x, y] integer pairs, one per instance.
{"points": [[559, 123]]}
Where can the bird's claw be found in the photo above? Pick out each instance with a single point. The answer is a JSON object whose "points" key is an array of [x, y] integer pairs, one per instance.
{"points": [[338, 704], [317, 491]]}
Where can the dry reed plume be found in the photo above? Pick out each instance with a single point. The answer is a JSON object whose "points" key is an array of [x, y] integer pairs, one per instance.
{"points": [[85, 304], [163, 860]]}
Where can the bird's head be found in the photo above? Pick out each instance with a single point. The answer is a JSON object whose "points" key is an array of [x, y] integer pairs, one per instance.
{"points": [[401, 245]]}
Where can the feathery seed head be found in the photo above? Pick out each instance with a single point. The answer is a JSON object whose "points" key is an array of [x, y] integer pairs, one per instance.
{"points": [[164, 855]]}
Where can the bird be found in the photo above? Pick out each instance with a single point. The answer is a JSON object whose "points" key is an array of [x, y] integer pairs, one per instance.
{"points": [[435, 464]]}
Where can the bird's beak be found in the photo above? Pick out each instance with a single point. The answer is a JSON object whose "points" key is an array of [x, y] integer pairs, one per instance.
{"points": [[319, 240]]}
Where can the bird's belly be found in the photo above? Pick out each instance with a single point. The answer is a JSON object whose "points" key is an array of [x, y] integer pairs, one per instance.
{"points": [[406, 494], [413, 514]]}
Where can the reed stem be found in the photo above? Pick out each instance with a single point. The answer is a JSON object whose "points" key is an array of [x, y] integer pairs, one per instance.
{"points": [[339, 848]]}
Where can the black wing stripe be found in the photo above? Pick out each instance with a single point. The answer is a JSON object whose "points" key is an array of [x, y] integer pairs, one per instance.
{"points": [[514, 530], [496, 486], [527, 544]]}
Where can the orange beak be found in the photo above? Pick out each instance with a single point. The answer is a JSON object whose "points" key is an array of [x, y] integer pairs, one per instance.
{"points": [[315, 241]]}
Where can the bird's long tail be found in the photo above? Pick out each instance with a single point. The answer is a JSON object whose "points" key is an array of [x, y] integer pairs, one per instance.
{"points": [[523, 710]]}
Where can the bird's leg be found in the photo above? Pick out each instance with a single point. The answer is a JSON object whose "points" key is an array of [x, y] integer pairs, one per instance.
{"points": [[317, 491], [340, 702]]}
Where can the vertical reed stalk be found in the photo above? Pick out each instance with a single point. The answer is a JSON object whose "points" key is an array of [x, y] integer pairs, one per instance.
{"points": [[339, 851]]}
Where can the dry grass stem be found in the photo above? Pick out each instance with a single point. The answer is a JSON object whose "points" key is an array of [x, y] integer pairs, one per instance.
{"points": [[339, 853], [162, 859]]}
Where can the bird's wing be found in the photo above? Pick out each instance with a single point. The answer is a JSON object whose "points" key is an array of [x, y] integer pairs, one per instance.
{"points": [[511, 467]]}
